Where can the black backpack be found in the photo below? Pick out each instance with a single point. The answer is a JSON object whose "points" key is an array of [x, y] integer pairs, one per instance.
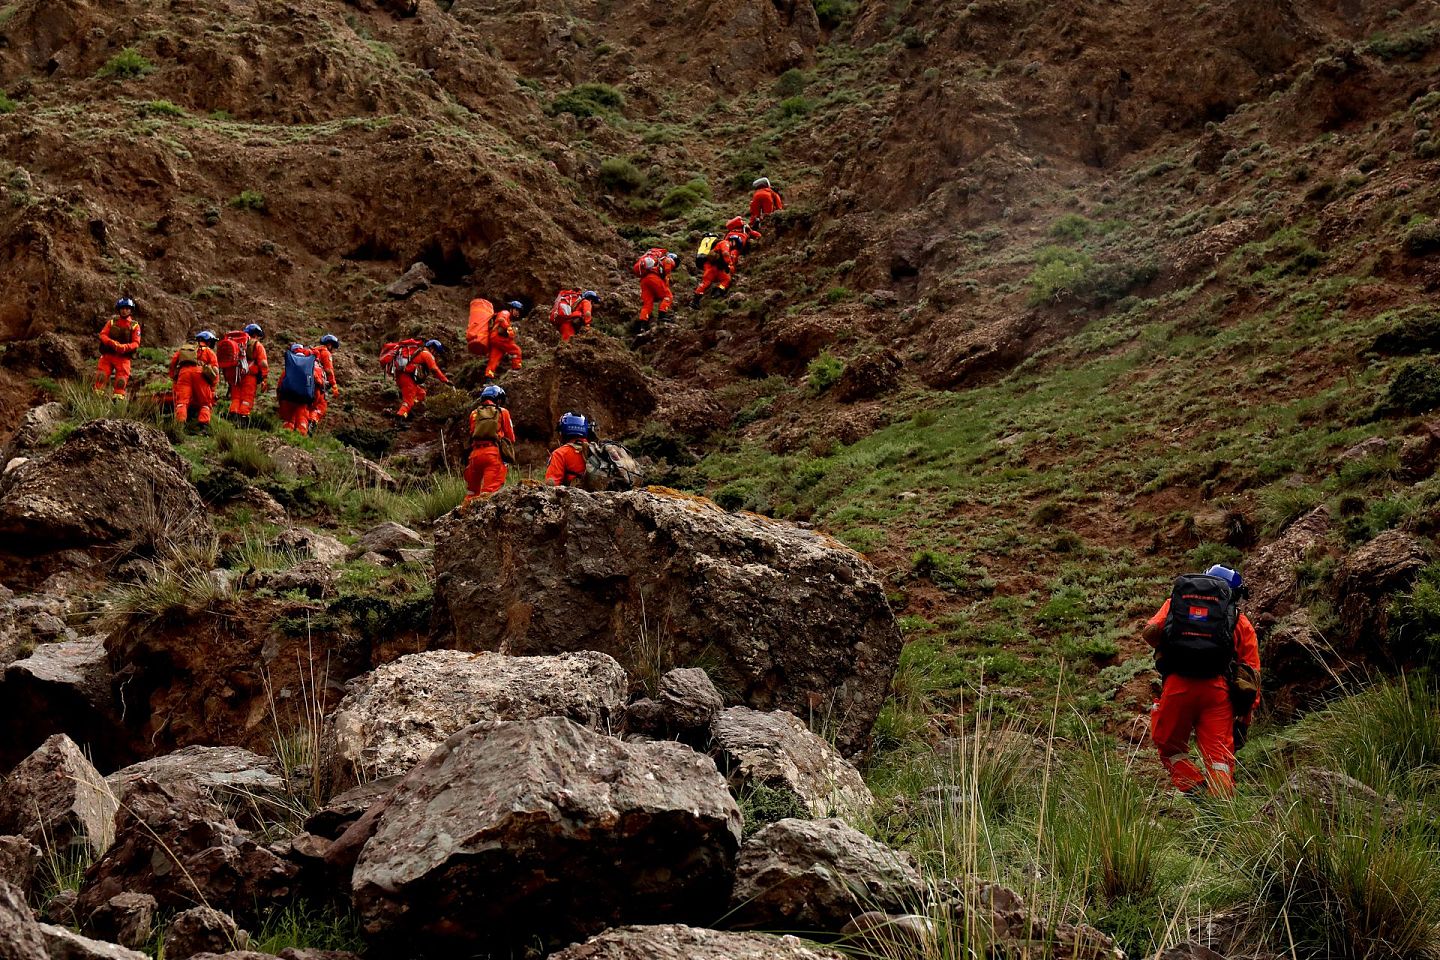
{"points": [[1199, 638]]}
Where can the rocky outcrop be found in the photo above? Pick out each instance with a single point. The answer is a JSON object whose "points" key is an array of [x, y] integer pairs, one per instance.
{"points": [[20, 937], [229, 776], [389, 539], [684, 708], [56, 799], [868, 377], [395, 716], [676, 942], [544, 830], [60, 688], [66, 944], [783, 617], [203, 930], [776, 751], [1271, 573], [112, 483], [126, 918], [818, 875], [18, 860]]}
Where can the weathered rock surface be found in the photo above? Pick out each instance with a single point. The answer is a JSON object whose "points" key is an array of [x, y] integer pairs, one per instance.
{"points": [[176, 845], [869, 376], [203, 930], [789, 618], [57, 800], [684, 708], [223, 774], [66, 944], [126, 918], [774, 749], [412, 281], [544, 829], [1015, 929], [387, 539], [818, 875], [336, 816], [891, 935], [111, 482], [676, 942], [37, 424], [60, 688], [395, 716], [310, 545], [18, 860], [1271, 573], [20, 937]]}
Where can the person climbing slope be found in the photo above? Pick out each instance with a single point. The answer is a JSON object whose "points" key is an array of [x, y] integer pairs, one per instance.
{"points": [[740, 235], [410, 361], [119, 339], [717, 271], [492, 444], [503, 346], [301, 381], [653, 268], [573, 307], [765, 201], [1208, 656], [194, 371], [326, 361], [251, 373], [567, 461]]}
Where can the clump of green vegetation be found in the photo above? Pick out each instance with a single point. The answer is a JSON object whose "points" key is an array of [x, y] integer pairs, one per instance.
{"points": [[7, 105], [620, 175], [823, 373], [1423, 238], [1404, 46], [833, 13], [791, 83], [795, 107], [1415, 389], [838, 294], [761, 805], [303, 926], [588, 100], [249, 200], [1064, 273], [161, 108], [126, 65], [680, 200], [1414, 329]]}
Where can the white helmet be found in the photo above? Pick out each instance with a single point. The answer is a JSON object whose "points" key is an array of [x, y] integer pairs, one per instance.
{"points": [[762, 182]]}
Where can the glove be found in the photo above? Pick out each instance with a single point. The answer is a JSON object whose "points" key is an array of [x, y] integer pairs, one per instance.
{"points": [[335, 392]]}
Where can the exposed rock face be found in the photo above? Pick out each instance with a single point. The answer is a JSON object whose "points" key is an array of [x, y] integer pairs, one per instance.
{"points": [[20, 937], [56, 799], [818, 875], [395, 716], [388, 539], [60, 688], [596, 375], [1271, 574], [65, 944], [544, 829], [126, 919], [223, 774], [795, 620], [337, 815], [176, 845], [18, 860], [777, 751], [112, 482], [684, 708], [676, 942], [868, 377], [203, 930]]}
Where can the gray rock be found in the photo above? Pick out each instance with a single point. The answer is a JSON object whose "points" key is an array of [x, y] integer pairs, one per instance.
{"points": [[396, 715], [202, 930], [387, 539], [60, 688], [1391, 557], [818, 875], [777, 751], [1364, 450], [60, 909], [18, 860], [1271, 573], [20, 937], [371, 474], [56, 799], [544, 829], [676, 942], [229, 776], [262, 507], [126, 918], [789, 618], [336, 816], [291, 460], [1189, 951], [111, 482], [308, 544], [315, 579], [417, 278], [1331, 792], [66, 944], [689, 700], [35, 428], [877, 934], [1014, 929]]}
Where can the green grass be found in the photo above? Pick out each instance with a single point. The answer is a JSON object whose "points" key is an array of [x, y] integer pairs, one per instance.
{"points": [[308, 926], [588, 100], [128, 64], [248, 200], [620, 175]]}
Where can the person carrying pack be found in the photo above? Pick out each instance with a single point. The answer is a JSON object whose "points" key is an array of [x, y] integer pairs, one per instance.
{"points": [[251, 372], [653, 268], [408, 361], [717, 272], [609, 467], [1208, 657], [573, 307], [194, 371], [765, 201], [326, 359], [702, 252], [567, 462], [301, 381], [503, 346], [492, 445], [119, 340]]}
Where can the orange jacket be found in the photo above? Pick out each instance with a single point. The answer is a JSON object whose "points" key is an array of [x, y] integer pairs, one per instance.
{"points": [[1247, 644], [765, 202], [259, 361], [506, 426], [501, 327], [567, 465], [204, 355], [579, 309], [425, 360], [647, 264], [120, 336], [324, 361]]}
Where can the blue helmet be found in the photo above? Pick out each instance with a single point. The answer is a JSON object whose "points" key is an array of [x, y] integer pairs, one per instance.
{"points": [[435, 346], [590, 295], [253, 329], [493, 393], [206, 336], [124, 302], [330, 340], [1225, 573], [574, 426], [516, 305]]}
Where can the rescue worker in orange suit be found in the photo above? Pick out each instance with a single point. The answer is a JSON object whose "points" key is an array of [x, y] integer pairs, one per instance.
{"points": [[573, 307], [1197, 659], [409, 379], [764, 201], [194, 371], [653, 269], [718, 271], [491, 431], [252, 382], [119, 339], [739, 235], [502, 339], [326, 362], [567, 461], [296, 414]]}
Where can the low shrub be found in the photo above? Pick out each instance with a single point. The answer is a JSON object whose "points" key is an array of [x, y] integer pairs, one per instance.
{"points": [[588, 100], [823, 373], [126, 65], [682, 199], [1423, 238], [1414, 329], [620, 175], [1415, 389], [248, 200], [791, 83]]}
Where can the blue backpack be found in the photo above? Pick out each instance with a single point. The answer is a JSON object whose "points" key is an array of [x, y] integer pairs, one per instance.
{"points": [[298, 382]]}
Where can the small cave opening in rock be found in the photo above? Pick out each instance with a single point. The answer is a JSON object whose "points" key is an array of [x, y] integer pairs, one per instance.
{"points": [[450, 265], [369, 249]]}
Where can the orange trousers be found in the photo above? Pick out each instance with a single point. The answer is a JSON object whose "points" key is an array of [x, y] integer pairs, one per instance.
{"points": [[318, 408], [485, 472], [112, 365], [411, 393], [654, 291], [713, 275], [293, 415], [502, 348], [242, 395], [192, 389], [1200, 708], [567, 328]]}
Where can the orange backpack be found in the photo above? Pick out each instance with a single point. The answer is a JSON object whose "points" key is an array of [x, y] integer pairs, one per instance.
{"points": [[477, 331], [395, 357]]}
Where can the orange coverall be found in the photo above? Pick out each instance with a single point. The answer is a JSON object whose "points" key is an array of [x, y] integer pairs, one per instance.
{"points": [[579, 311], [247, 384], [714, 274], [486, 471], [191, 387], [502, 344], [325, 362], [764, 202], [1200, 707], [119, 339], [408, 380], [654, 285], [567, 464]]}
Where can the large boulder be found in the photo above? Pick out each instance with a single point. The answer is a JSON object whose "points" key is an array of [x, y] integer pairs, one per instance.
{"points": [[177, 845], [783, 617], [1272, 572], [20, 937], [57, 800], [775, 751], [396, 715], [111, 483], [19, 859], [676, 942], [65, 944], [202, 930], [544, 830], [684, 708], [126, 918], [818, 875], [232, 777], [60, 688]]}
